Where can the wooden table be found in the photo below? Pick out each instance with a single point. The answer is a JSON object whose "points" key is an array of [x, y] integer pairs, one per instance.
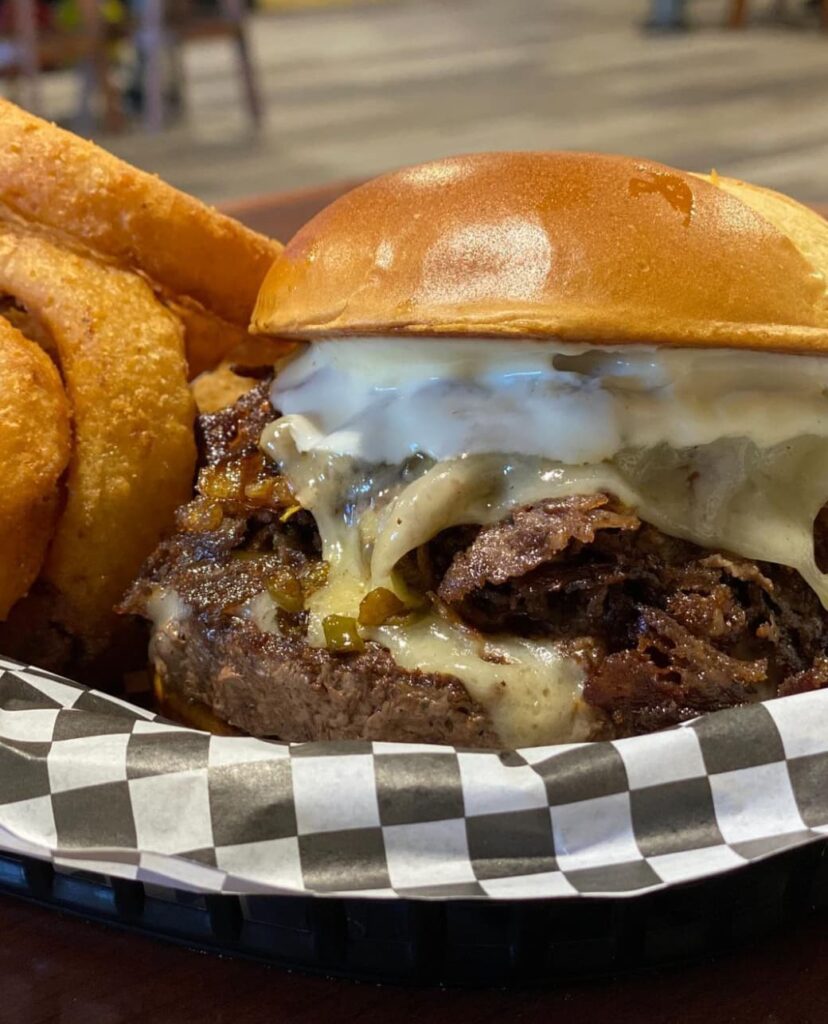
{"points": [[280, 216], [55, 968]]}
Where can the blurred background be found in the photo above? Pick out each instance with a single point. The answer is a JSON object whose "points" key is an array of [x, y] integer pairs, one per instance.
{"points": [[226, 100]]}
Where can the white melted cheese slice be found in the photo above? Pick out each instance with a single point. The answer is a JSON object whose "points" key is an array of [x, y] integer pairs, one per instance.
{"points": [[379, 400], [724, 448]]}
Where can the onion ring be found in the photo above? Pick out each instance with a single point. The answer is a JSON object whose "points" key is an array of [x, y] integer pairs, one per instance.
{"points": [[34, 450], [205, 266], [121, 355], [78, 192], [217, 388]]}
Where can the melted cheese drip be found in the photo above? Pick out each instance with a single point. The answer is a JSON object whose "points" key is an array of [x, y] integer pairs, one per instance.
{"points": [[530, 689], [730, 495], [725, 449], [263, 612]]}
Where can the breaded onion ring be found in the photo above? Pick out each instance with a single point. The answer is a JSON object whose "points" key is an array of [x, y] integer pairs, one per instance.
{"points": [[217, 388], [196, 258], [34, 451], [121, 354], [208, 339], [71, 187]]}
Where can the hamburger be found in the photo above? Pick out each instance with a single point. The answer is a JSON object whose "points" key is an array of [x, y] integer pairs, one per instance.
{"points": [[546, 462]]}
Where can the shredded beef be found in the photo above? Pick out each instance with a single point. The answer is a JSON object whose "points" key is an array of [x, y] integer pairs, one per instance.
{"points": [[670, 675], [673, 630], [813, 678], [527, 539], [206, 571], [234, 432]]}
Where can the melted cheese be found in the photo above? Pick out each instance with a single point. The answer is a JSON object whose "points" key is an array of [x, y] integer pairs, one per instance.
{"points": [[378, 400], [166, 609], [723, 448], [531, 690], [729, 495], [263, 612]]}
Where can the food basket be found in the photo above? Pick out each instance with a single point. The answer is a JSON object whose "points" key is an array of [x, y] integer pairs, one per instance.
{"points": [[415, 862]]}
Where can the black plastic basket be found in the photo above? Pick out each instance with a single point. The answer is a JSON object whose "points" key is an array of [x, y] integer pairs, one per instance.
{"points": [[473, 943]]}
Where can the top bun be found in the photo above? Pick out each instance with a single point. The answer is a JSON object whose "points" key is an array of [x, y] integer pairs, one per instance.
{"points": [[578, 246]]}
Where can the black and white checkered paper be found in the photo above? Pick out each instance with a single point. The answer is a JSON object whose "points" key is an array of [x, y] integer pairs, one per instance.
{"points": [[89, 782]]}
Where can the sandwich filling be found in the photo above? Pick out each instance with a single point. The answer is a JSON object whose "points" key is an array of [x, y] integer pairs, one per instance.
{"points": [[593, 541], [388, 444]]}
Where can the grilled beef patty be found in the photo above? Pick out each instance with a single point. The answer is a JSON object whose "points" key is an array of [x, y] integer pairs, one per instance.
{"points": [[666, 630]]}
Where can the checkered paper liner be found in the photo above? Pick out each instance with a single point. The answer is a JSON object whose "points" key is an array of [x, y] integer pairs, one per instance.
{"points": [[90, 782]]}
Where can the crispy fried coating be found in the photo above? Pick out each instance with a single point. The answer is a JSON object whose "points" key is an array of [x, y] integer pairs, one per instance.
{"points": [[204, 265], [72, 189], [122, 359], [129, 288], [34, 451], [237, 373]]}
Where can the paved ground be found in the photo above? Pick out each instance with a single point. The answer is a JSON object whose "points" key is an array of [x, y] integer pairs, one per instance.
{"points": [[351, 92]]}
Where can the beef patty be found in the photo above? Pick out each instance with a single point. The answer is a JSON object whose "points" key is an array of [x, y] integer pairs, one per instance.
{"points": [[666, 630]]}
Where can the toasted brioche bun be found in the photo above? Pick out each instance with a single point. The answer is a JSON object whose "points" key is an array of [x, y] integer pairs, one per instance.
{"points": [[579, 246], [807, 229], [201, 262]]}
